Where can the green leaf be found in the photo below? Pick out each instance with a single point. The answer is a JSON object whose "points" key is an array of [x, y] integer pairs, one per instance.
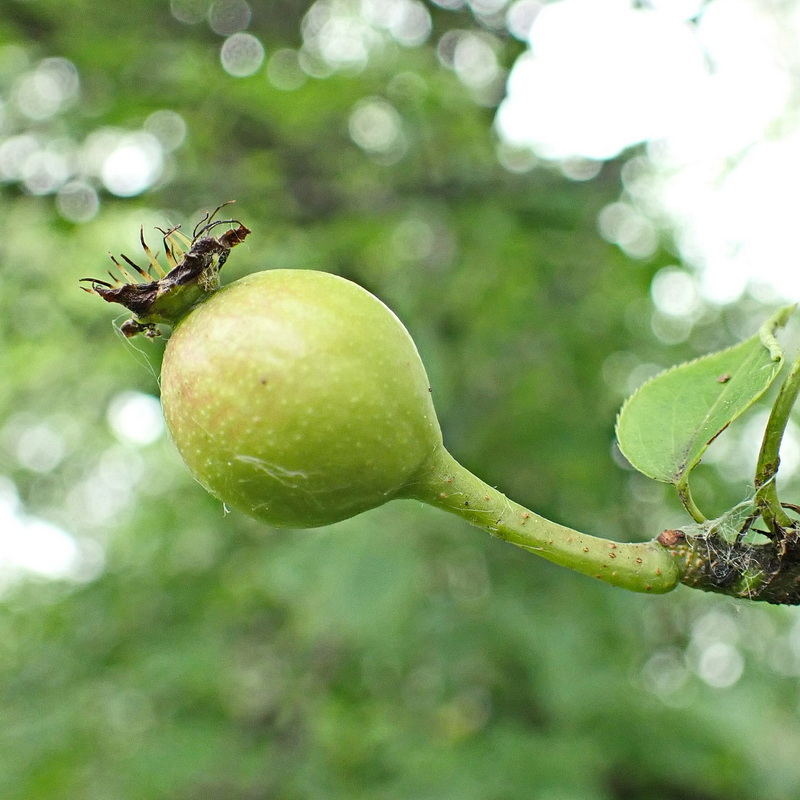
{"points": [[666, 426]]}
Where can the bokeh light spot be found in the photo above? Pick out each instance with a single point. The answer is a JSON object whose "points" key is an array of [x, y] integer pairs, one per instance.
{"points": [[580, 169], [284, 71], [242, 55], [414, 239], [229, 16], [516, 159], [135, 418], [40, 448], [621, 224], [475, 61], [168, 127], [133, 165], [520, 17], [666, 676], [334, 32], [449, 5], [720, 665], [189, 12], [45, 91], [376, 126], [44, 171], [407, 21], [45, 549], [32, 545], [14, 153], [674, 292], [77, 201]]}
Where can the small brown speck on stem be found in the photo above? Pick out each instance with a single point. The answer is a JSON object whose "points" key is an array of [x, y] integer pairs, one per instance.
{"points": [[669, 538]]}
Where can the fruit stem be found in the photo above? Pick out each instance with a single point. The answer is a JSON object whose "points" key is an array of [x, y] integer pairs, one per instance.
{"points": [[638, 566]]}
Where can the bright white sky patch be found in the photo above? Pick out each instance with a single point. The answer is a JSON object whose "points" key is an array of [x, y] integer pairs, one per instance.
{"points": [[710, 89], [600, 76]]}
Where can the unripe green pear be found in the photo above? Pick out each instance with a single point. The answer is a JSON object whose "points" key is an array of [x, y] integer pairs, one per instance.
{"points": [[298, 398]]}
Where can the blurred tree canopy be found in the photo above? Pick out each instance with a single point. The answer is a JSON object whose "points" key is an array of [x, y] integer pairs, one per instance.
{"points": [[153, 646]]}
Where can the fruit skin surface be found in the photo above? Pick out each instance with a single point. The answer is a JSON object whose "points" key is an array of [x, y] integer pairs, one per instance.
{"points": [[298, 398]]}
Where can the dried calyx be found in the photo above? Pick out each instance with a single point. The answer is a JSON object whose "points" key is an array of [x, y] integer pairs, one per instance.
{"points": [[193, 275]]}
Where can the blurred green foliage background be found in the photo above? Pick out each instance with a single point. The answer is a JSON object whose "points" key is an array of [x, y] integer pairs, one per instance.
{"points": [[153, 646]]}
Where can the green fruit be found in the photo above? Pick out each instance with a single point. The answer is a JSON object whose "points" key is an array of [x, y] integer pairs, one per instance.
{"points": [[298, 398]]}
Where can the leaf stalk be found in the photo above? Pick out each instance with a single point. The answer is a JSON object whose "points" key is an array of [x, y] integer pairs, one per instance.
{"points": [[769, 456]]}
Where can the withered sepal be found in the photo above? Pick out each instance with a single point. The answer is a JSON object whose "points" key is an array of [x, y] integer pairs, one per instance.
{"points": [[194, 275]]}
